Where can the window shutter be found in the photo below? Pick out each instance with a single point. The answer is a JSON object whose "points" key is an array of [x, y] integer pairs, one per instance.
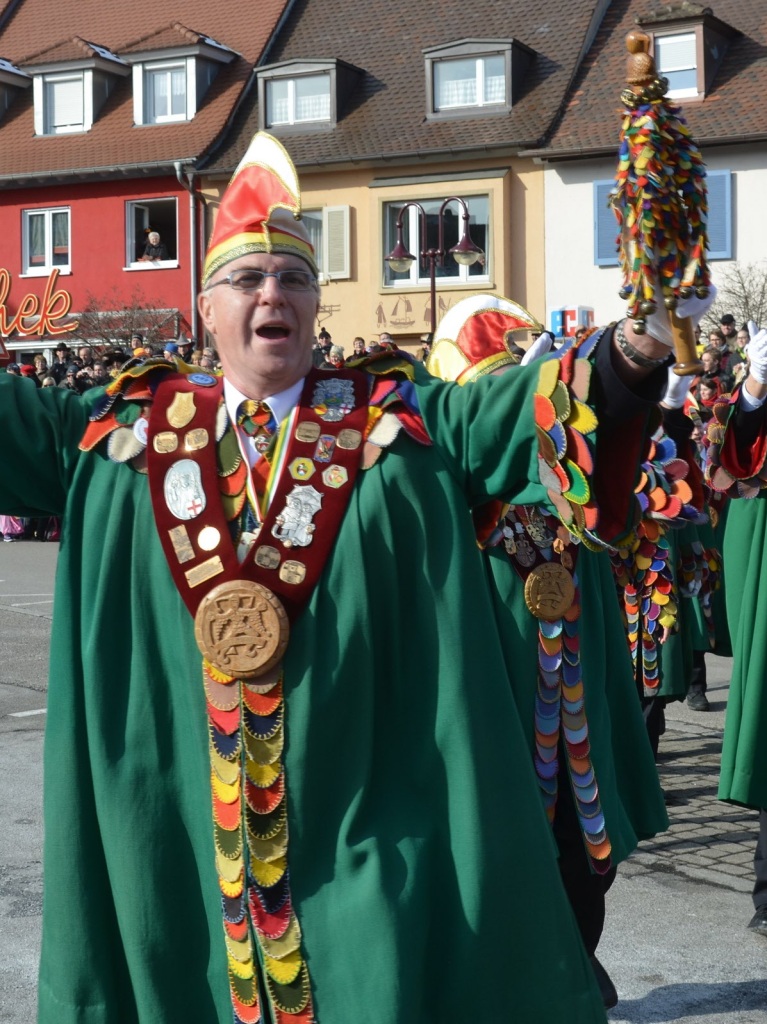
{"points": [[336, 260], [138, 94], [38, 93], [675, 53], [605, 226], [719, 215]]}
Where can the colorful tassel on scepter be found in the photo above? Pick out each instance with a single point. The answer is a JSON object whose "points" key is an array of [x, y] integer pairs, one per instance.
{"points": [[660, 202]]}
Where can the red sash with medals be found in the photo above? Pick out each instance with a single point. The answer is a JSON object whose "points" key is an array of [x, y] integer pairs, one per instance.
{"points": [[272, 586], [241, 613]]}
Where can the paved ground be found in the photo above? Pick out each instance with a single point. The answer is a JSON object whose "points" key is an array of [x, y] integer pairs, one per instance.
{"points": [[675, 940]]}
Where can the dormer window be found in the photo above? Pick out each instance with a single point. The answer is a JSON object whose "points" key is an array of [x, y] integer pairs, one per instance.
{"points": [[474, 76], [165, 92], [296, 100], [306, 93], [688, 46], [677, 60], [63, 104], [12, 81], [469, 82], [172, 71], [71, 82]]}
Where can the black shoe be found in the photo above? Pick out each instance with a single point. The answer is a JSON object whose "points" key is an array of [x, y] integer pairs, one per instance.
{"points": [[606, 987], [697, 701], [758, 922]]}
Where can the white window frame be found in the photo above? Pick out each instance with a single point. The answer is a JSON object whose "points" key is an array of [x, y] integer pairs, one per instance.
{"points": [[291, 81], [40, 89], [132, 205], [479, 79], [44, 269], [166, 68], [141, 97], [690, 35], [418, 276]]}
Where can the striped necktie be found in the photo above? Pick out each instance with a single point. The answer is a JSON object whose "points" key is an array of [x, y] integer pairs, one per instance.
{"points": [[258, 422]]}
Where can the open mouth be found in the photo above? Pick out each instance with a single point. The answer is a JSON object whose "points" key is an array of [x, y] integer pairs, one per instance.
{"points": [[273, 332]]}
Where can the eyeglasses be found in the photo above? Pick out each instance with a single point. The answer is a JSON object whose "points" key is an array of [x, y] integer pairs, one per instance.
{"points": [[246, 280]]}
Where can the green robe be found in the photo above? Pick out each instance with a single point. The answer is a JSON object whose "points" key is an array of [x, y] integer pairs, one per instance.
{"points": [[629, 790], [422, 866], [744, 751]]}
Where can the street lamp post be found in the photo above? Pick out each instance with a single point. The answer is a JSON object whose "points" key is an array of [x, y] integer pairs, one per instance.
{"points": [[465, 252]]}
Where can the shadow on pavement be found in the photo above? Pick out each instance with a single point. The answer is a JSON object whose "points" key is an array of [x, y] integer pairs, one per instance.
{"points": [[671, 1003]]}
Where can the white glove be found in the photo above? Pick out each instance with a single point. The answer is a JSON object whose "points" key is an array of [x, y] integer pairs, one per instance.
{"points": [[676, 389], [659, 323], [756, 352], [539, 347]]}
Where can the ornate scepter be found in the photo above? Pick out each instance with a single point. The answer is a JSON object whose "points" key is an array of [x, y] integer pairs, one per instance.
{"points": [[661, 204]]}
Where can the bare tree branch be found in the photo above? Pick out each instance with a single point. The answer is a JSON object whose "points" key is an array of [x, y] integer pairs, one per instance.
{"points": [[742, 291]]}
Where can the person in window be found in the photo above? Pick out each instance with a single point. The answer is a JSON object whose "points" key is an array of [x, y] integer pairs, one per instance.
{"points": [[154, 250]]}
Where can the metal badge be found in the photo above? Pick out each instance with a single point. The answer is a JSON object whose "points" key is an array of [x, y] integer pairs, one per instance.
{"points": [[333, 399], [549, 591], [292, 571], [307, 432], [203, 380], [183, 491], [267, 556], [349, 439], [140, 428], [204, 571], [335, 476], [241, 628], [208, 538], [165, 442], [196, 439], [181, 410], [182, 545], [324, 450], [294, 526], [301, 469], [525, 554]]}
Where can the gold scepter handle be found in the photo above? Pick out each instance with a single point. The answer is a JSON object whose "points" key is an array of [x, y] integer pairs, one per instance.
{"points": [[683, 334]]}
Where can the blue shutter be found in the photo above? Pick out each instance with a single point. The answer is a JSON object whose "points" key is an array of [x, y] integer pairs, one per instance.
{"points": [[719, 215], [605, 226]]}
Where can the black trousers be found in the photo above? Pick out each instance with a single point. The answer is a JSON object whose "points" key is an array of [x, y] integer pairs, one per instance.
{"points": [[654, 720], [585, 890], [760, 863], [698, 675]]}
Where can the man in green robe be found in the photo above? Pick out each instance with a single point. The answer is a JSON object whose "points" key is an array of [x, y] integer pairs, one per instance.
{"points": [[737, 466], [364, 811]]}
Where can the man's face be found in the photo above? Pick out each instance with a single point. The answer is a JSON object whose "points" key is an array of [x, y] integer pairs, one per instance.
{"points": [[710, 362], [263, 338], [727, 330], [61, 354], [85, 354]]}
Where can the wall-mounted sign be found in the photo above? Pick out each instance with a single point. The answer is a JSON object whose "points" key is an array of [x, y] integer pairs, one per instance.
{"points": [[47, 312], [566, 321]]}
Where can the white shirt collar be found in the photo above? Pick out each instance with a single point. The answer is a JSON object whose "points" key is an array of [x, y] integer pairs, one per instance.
{"points": [[281, 404]]}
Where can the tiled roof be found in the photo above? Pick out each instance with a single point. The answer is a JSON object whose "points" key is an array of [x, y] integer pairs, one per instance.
{"points": [[733, 109], [38, 27], [69, 49], [387, 115], [167, 36]]}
